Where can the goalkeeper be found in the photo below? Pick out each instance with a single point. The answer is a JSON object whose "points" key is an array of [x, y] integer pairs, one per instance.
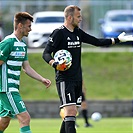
{"points": [[69, 83]]}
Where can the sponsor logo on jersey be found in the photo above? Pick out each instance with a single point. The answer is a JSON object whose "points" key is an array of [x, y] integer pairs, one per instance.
{"points": [[18, 54], [75, 44]]}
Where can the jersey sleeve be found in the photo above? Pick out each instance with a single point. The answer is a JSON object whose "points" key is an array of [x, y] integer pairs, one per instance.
{"points": [[86, 38], [5, 49], [55, 38], [53, 44]]}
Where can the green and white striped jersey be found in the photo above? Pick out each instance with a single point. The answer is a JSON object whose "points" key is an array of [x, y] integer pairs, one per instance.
{"points": [[13, 52]]}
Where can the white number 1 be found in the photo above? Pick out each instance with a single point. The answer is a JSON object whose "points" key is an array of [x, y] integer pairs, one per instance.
{"points": [[69, 95]]}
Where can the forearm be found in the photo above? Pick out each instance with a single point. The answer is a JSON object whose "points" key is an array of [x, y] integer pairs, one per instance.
{"points": [[104, 42], [33, 74], [47, 57], [86, 38], [108, 42]]}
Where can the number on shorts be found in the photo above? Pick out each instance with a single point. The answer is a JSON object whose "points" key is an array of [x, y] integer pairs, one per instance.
{"points": [[69, 96], [22, 104]]}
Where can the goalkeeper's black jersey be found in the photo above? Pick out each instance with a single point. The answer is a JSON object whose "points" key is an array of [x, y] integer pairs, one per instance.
{"points": [[62, 38]]}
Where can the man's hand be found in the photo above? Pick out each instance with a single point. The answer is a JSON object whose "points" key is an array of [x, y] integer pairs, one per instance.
{"points": [[62, 67], [46, 82], [124, 38]]}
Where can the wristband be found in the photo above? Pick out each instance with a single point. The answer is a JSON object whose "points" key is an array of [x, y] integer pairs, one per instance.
{"points": [[54, 64], [113, 40]]}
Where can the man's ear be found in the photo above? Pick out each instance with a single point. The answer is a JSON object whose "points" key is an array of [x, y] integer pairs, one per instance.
{"points": [[69, 17], [20, 25]]}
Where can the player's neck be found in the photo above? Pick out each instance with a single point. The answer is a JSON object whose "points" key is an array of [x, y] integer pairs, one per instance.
{"points": [[19, 37], [69, 27]]}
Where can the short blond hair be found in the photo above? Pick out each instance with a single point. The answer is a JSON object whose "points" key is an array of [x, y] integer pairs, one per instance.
{"points": [[69, 10]]}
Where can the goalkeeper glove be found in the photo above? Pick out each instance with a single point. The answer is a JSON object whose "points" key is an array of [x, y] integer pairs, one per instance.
{"points": [[61, 67], [124, 38]]}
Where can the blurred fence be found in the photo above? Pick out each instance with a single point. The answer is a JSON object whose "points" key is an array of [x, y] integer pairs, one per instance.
{"points": [[50, 109], [92, 10]]}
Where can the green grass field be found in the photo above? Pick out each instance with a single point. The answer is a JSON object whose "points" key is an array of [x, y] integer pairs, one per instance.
{"points": [[107, 76], [106, 125]]}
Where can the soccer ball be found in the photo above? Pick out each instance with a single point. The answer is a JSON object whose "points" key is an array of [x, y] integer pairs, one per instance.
{"points": [[96, 116], [63, 55]]}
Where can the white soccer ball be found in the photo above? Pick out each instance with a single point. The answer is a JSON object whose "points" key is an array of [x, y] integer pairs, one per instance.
{"points": [[63, 55], [96, 116]]}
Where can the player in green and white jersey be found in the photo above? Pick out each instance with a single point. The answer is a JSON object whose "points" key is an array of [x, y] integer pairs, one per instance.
{"points": [[13, 56]]}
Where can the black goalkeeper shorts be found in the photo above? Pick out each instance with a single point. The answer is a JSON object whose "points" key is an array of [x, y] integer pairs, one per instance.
{"points": [[70, 93]]}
